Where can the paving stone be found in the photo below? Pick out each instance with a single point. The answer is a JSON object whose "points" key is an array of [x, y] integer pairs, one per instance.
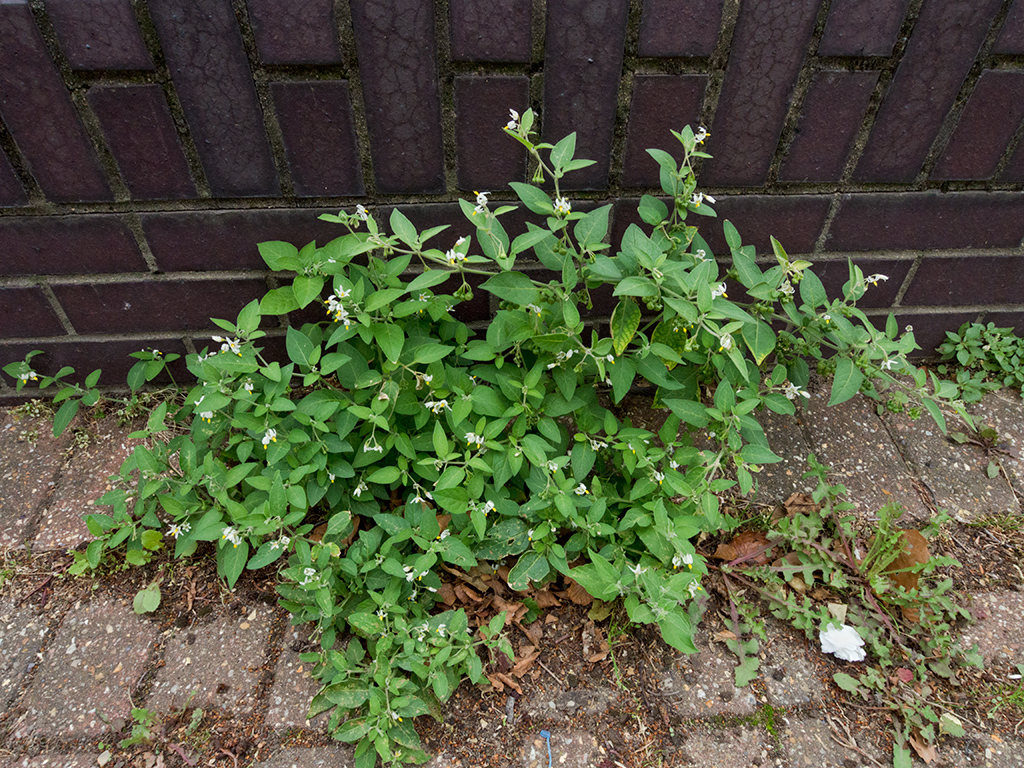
{"points": [[22, 631], [672, 28], [777, 481], [561, 704], [62, 760], [295, 31], [30, 459], [1004, 410], [789, 674], [310, 757], [704, 684], [84, 480], [955, 474], [807, 741], [999, 632], [99, 34], [569, 749], [214, 665], [862, 27], [294, 686], [853, 440], [89, 670], [711, 747]]}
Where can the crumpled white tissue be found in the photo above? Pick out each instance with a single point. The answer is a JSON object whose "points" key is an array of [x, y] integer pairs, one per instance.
{"points": [[843, 642]]}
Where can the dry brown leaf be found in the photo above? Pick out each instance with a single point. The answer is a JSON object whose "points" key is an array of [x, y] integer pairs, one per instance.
{"points": [[801, 504], [513, 611], [725, 634], [926, 752], [820, 594], [498, 685], [545, 599], [577, 594], [525, 661], [507, 681], [443, 520], [551, 619], [447, 593], [745, 544], [318, 533], [534, 631], [915, 552]]}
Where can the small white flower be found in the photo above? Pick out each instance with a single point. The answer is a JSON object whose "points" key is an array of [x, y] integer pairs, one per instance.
{"points": [[596, 444], [427, 378], [359, 489], [362, 213], [786, 289], [552, 466], [533, 308], [700, 197], [440, 629], [460, 241], [444, 534], [331, 475], [488, 508], [382, 614], [581, 490], [178, 530], [206, 415], [791, 391], [659, 476], [481, 202], [562, 206], [843, 642], [310, 576], [29, 375], [873, 279], [437, 406], [269, 437], [887, 365], [513, 124], [637, 570], [701, 254], [693, 587], [701, 134], [371, 446], [826, 317], [248, 386], [474, 439], [232, 535], [725, 342], [719, 290], [529, 534]]}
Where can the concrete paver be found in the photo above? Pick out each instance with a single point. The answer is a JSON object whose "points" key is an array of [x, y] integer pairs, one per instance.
{"points": [[30, 460], [807, 741], [89, 671], [294, 687], [775, 482], [214, 665], [789, 675], [54, 760], [999, 632], [22, 631], [704, 684], [569, 749], [1004, 410], [310, 757], [560, 704], [737, 747]]}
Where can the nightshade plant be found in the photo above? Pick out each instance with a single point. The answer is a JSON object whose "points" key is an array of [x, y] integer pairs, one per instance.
{"points": [[455, 448]]}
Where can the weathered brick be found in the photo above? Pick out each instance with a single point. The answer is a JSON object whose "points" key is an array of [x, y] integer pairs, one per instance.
{"points": [[295, 31], [205, 240], [99, 34], [396, 46], [945, 43], [835, 274], [39, 114], [583, 54], [680, 27], [140, 132], [795, 221], [660, 103], [1011, 37], [319, 137], [163, 305], [485, 158], [985, 128], [12, 193], [833, 111], [922, 220], [58, 245], [862, 27], [25, 312], [112, 355], [1014, 170], [1012, 320], [204, 52], [943, 281], [768, 48], [483, 30], [930, 328]]}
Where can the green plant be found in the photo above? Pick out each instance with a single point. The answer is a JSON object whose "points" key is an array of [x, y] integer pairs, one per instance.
{"points": [[143, 728], [986, 358], [415, 444], [818, 549]]}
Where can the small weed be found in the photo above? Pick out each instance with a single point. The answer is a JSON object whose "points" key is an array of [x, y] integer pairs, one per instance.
{"points": [[986, 358]]}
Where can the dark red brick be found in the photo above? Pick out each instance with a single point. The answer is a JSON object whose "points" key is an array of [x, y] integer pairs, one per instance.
{"points": [[941, 281], [985, 128], [1014, 170], [140, 133], [674, 28], [583, 54], [768, 48], [930, 328], [917, 221], [204, 52], [319, 137], [486, 158], [110, 355], [834, 274], [60, 245], [295, 31], [156, 305], [661, 103], [862, 27], [39, 114], [25, 312], [1011, 37], [12, 193], [943, 47], [833, 111], [205, 240], [396, 46], [99, 34], [484, 30], [1011, 320]]}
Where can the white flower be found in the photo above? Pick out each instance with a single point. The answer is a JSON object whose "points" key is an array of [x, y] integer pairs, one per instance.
{"points": [[513, 124], [637, 570], [371, 446], [725, 342], [444, 534], [532, 308], [529, 534], [843, 642], [581, 490], [331, 475], [269, 437], [701, 134], [29, 374], [488, 508], [410, 574], [460, 241], [887, 365], [206, 415], [659, 476], [281, 543], [700, 197], [440, 629], [248, 386], [596, 444], [427, 378], [552, 466], [232, 535], [786, 289], [873, 279], [362, 213], [701, 254], [177, 530], [673, 464], [474, 439], [562, 206], [719, 290], [359, 489], [826, 317], [481, 202], [678, 560], [791, 391], [437, 406], [693, 587], [382, 614], [451, 257], [310, 576]]}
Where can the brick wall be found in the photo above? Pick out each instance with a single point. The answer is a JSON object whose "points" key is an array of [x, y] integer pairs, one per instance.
{"points": [[146, 146]]}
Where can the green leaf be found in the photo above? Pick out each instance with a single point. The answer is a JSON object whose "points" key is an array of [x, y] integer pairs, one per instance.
{"points": [[625, 320], [64, 415], [532, 566], [404, 228], [753, 453], [305, 289], [428, 279], [513, 286], [535, 199], [232, 561], [652, 210], [759, 338], [430, 353], [811, 290], [279, 301], [846, 682], [384, 475], [592, 228], [529, 239], [635, 286], [264, 556], [279, 255], [390, 338], [563, 151], [846, 382], [147, 600], [382, 298], [300, 348], [677, 631], [690, 412]]}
